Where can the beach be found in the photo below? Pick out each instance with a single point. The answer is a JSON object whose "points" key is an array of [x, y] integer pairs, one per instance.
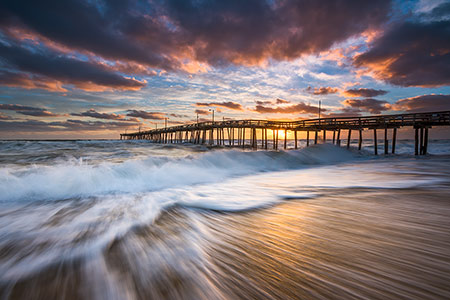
{"points": [[137, 220]]}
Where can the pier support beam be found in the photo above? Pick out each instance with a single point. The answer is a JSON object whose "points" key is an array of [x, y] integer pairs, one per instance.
{"points": [[425, 143], [324, 136], [315, 137], [349, 138], [375, 142], [386, 142], [360, 139], [307, 138], [421, 141], [338, 141], [285, 139], [334, 137], [416, 141], [295, 137], [276, 141], [394, 138], [265, 136]]}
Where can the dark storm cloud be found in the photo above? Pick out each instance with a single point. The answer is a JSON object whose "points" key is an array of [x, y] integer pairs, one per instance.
{"points": [[202, 112], [103, 28], [28, 110], [321, 90], [146, 114], [45, 62], [94, 114], [411, 54], [300, 108], [28, 81], [134, 36], [69, 125], [373, 106], [424, 103], [178, 116], [364, 92], [247, 31], [229, 105]]}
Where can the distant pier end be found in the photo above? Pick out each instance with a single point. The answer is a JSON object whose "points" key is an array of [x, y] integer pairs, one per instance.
{"points": [[232, 132]]}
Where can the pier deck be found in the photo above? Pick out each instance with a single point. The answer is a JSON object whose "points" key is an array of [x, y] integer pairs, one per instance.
{"points": [[233, 132]]}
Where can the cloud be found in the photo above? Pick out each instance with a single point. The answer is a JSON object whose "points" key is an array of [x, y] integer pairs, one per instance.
{"points": [[263, 102], [364, 92], [369, 105], [5, 117], [300, 108], [68, 125], [98, 46], [93, 114], [202, 112], [48, 64], [28, 81], [424, 103], [229, 105], [146, 114], [344, 112], [322, 90], [410, 54], [28, 110], [178, 116], [281, 101]]}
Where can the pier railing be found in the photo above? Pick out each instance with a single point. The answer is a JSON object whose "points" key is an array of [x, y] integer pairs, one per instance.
{"points": [[197, 132]]}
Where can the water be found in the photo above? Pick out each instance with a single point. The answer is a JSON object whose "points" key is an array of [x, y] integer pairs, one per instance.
{"points": [[136, 220]]}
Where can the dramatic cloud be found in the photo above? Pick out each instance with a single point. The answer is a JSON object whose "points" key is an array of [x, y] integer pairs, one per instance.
{"points": [[28, 110], [322, 90], [51, 66], [146, 115], [369, 105], [411, 54], [95, 45], [202, 112], [364, 92], [28, 81], [300, 108], [69, 125], [424, 103], [93, 114], [229, 105], [178, 116]]}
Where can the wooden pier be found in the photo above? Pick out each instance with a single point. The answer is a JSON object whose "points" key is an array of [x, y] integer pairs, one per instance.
{"points": [[232, 133]]}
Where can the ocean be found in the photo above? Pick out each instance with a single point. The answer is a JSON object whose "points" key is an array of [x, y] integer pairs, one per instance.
{"points": [[114, 219]]}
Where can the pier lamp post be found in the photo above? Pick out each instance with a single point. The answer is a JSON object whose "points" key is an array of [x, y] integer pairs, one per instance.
{"points": [[320, 103], [212, 115]]}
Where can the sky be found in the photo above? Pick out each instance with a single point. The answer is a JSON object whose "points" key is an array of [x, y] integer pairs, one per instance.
{"points": [[94, 69]]}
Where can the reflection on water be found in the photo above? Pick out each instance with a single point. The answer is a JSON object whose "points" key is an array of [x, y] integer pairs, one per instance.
{"points": [[299, 227]]}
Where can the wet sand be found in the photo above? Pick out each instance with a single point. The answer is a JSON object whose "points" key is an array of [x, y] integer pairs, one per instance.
{"points": [[345, 244]]}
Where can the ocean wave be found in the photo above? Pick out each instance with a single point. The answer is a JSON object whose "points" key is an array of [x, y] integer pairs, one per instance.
{"points": [[75, 178]]}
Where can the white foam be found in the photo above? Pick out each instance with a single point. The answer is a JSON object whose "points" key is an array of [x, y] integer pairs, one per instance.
{"points": [[75, 178]]}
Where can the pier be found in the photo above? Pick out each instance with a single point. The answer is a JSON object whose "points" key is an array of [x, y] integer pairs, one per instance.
{"points": [[232, 133]]}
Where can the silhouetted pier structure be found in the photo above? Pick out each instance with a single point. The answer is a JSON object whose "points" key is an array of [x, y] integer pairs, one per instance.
{"points": [[233, 132]]}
